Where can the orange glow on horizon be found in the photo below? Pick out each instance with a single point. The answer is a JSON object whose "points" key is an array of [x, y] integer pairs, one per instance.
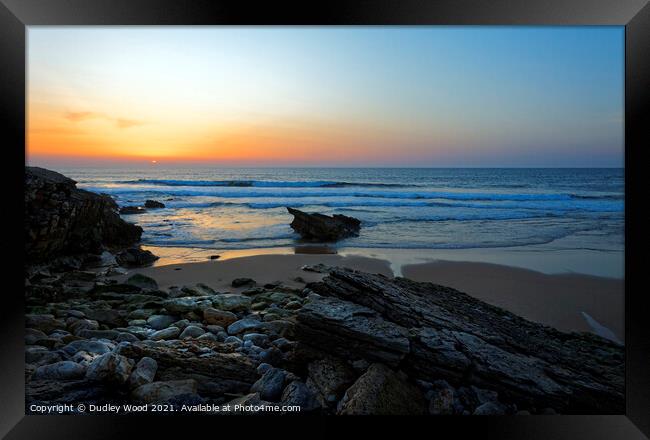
{"points": [[59, 133]]}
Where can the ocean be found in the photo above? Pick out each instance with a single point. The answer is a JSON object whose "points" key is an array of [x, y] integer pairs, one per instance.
{"points": [[410, 208]]}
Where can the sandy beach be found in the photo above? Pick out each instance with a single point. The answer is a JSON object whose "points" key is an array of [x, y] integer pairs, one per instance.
{"points": [[557, 300]]}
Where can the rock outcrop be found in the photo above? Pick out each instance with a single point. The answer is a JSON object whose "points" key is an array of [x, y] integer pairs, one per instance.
{"points": [[61, 219], [153, 204], [320, 227], [434, 332]]}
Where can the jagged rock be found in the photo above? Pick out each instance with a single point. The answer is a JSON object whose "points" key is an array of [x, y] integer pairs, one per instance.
{"points": [[135, 257], [463, 340], [63, 220], [349, 330], [153, 204], [111, 368], [380, 391], [162, 391], [323, 227]]}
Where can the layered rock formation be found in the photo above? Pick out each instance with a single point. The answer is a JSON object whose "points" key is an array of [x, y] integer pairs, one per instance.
{"points": [[320, 227], [434, 333], [61, 219]]}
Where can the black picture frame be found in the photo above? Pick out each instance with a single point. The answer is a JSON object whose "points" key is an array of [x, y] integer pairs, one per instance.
{"points": [[16, 15]]}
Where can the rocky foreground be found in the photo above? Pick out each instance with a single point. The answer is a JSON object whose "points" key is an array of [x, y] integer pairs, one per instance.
{"points": [[354, 343]]}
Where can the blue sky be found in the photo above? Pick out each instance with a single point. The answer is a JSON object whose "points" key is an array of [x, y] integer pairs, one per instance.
{"points": [[375, 96]]}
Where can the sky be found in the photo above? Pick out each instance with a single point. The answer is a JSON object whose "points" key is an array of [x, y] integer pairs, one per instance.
{"points": [[434, 96]]}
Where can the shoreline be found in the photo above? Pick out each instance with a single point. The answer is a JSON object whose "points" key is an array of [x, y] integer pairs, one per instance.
{"points": [[557, 257], [566, 301]]}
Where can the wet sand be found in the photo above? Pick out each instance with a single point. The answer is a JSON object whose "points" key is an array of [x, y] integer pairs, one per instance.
{"points": [[219, 274]]}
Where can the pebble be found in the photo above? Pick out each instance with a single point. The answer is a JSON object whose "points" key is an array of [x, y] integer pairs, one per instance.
{"points": [[244, 324], [168, 333], [192, 331]]}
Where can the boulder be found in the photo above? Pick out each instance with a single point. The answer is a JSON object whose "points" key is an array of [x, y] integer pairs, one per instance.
{"points": [[143, 373], [322, 227], [218, 317], [380, 391], [95, 347], [61, 219], [153, 204], [78, 325], [159, 322], [135, 257], [329, 378], [186, 304], [231, 302], [299, 394], [243, 325], [270, 385], [127, 210], [192, 331], [111, 368]]}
